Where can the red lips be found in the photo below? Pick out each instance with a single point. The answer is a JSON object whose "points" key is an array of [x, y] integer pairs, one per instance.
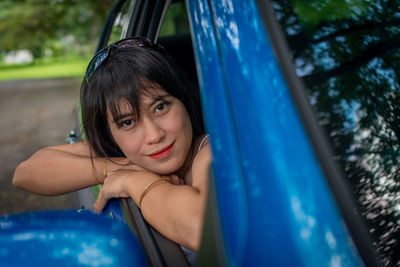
{"points": [[163, 152]]}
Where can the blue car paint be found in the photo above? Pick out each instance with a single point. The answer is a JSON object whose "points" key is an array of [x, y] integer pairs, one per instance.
{"points": [[275, 205], [113, 210], [67, 238], [220, 126]]}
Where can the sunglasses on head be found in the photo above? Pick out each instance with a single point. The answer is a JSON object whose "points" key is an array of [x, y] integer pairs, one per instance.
{"points": [[104, 53]]}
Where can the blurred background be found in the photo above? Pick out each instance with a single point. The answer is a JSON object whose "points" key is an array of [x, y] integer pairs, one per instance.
{"points": [[45, 46]]}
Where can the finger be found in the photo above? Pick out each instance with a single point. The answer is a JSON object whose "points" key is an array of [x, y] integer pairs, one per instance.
{"points": [[100, 202]]}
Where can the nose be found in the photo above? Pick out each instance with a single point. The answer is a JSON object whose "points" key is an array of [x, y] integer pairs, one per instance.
{"points": [[154, 133]]}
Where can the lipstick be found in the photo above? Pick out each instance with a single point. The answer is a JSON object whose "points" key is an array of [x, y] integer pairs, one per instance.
{"points": [[164, 152]]}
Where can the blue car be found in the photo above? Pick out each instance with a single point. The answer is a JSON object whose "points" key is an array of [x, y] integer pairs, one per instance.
{"points": [[301, 100]]}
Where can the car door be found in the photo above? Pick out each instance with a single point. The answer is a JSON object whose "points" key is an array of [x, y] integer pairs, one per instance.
{"points": [[272, 185]]}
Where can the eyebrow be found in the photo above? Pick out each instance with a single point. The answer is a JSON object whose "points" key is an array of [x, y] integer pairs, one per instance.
{"points": [[156, 99], [122, 116]]}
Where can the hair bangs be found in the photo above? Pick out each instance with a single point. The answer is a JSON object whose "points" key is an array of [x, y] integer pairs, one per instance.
{"points": [[123, 92]]}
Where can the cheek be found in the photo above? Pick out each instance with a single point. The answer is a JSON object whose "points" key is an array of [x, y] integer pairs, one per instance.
{"points": [[179, 122], [126, 143]]}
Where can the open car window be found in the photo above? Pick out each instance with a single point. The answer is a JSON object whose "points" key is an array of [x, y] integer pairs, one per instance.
{"points": [[347, 55]]}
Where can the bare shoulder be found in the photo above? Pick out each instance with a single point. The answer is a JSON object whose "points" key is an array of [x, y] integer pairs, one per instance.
{"points": [[201, 164]]}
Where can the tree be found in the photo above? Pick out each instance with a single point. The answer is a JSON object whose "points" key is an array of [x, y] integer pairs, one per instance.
{"points": [[36, 24]]}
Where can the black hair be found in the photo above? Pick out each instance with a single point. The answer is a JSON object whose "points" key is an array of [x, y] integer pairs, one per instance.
{"points": [[125, 74]]}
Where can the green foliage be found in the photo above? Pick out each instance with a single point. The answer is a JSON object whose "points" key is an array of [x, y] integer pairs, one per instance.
{"points": [[48, 26], [175, 21]]}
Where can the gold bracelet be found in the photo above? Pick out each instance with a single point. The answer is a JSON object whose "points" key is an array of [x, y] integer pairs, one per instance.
{"points": [[104, 168], [147, 188]]}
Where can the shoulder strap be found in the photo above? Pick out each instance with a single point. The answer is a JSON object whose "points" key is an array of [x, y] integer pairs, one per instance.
{"points": [[202, 142]]}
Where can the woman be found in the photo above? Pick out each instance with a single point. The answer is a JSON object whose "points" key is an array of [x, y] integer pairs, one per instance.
{"points": [[144, 140]]}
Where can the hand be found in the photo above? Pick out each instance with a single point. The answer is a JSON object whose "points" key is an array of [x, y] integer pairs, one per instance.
{"points": [[116, 185]]}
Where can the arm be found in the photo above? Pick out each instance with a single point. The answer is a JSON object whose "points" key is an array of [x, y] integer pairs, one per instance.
{"points": [[176, 211], [59, 169]]}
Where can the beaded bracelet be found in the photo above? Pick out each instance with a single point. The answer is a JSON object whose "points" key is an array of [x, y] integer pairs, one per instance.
{"points": [[147, 188]]}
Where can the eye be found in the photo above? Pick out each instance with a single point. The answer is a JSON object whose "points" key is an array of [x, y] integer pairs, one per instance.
{"points": [[162, 107], [128, 123]]}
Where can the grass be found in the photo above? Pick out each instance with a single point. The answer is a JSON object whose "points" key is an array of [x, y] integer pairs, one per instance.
{"points": [[44, 69]]}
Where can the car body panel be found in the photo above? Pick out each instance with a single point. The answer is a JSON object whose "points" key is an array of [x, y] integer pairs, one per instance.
{"points": [[67, 238]]}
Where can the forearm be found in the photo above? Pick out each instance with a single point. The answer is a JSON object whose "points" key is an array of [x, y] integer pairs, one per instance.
{"points": [[53, 172], [176, 211]]}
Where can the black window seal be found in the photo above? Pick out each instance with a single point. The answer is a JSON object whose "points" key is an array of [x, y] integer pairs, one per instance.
{"points": [[143, 9], [105, 34], [146, 18], [153, 25], [132, 27], [334, 176]]}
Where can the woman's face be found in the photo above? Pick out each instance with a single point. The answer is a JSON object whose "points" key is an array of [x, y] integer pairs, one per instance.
{"points": [[160, 140]]}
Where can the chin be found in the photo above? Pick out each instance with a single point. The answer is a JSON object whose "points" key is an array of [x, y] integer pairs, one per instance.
{"points": [[169, 168]]}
